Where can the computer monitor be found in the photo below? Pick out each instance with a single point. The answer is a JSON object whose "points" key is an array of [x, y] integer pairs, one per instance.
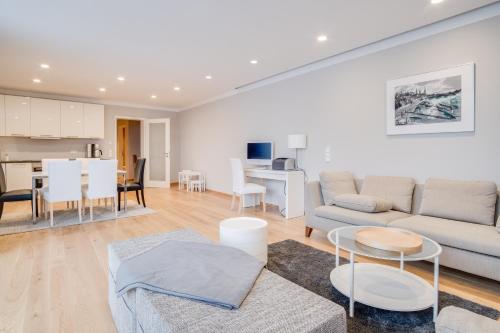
{"points": [[260, 153]]}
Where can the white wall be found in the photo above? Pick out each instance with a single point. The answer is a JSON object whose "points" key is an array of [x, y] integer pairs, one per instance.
{"points": [[343, 107]]}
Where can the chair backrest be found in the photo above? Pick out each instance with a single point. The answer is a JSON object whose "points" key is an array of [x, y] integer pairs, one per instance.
{"points": [[65, 180], [3, 183], [102, 178], [45, 162], [139, 171], [238, 174]]}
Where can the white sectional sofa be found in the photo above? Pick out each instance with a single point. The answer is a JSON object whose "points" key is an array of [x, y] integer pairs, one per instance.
{"points": [[459, 215]]}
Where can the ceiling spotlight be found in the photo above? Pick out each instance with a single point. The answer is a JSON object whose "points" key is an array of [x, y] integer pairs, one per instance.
{"points": [[322, 38], [45, 66], [254, 61], [177, 88], [153, 96], [37, 81], [102, 89], [435, 2], [120, 78], [208, 77]]}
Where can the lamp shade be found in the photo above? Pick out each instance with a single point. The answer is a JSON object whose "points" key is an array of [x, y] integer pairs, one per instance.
{"points": [[297, 141]]}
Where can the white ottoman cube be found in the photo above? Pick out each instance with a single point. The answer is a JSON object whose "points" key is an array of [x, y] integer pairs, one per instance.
{"points": [[245, 233]]}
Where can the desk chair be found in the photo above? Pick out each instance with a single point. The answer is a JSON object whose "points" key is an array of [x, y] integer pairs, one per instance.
{"points": [[241, 187]]}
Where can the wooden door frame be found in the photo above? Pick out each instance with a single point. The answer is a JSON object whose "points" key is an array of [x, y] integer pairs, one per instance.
{"points": [[115, 128]]}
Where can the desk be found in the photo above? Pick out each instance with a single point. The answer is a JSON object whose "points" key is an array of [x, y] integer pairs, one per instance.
{"points": [[294, 187], [41, 175]]}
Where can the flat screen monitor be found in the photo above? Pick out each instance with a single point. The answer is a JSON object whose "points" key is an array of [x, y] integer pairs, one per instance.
{"points": [[260, 153]]}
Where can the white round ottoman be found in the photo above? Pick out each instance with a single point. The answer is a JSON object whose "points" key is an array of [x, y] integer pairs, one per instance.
{"points": [[245, 233]]}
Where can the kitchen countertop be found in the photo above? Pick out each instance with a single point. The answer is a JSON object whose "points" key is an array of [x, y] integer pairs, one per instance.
{"points": [[22, 161]]}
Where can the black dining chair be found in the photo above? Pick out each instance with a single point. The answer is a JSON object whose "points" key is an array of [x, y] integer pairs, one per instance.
{"points": [[137, 185], [15, 195]]}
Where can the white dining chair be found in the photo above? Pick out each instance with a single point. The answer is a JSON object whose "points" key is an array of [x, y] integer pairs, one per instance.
{"points": [[184, 177], [242, 188], [102, 184], [64, 184], [197, 182]]}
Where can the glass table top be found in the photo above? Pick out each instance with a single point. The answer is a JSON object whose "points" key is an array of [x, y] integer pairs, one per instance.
{"points": [[347, 241]]}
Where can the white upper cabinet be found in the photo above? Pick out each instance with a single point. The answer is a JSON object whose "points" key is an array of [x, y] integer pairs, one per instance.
{"points": [[93, 121], [17, 116], [2, 115], [72, 120], [45, 118]]}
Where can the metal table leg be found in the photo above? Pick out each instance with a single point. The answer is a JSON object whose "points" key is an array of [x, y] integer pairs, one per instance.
{"points": [[436, 288], [125, 192], [351, 289]]}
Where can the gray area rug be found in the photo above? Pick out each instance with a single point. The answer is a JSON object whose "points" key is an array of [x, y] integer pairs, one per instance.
{"points": [[310, 268], [12, 223]]}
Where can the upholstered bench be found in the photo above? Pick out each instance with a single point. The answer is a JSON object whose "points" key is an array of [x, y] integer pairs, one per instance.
{"points": [[274, 304]]}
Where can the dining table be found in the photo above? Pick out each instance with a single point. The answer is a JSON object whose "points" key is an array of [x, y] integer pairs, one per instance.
{"points": [[43, 175]]}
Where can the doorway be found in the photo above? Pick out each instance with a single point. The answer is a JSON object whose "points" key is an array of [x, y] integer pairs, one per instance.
{"points": [[128, 144]]}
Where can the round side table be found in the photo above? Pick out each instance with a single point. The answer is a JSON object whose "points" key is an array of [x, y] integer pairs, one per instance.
{"points": [[245, 233]]}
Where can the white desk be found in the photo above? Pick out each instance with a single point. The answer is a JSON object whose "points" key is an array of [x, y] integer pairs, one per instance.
{"points": [[294, 187]]}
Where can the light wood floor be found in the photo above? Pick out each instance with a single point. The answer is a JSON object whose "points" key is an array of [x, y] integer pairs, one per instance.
{"points": [[55, 280]]}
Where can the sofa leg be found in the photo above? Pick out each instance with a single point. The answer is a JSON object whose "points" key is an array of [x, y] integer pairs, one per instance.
{"points": [[308, 231]]}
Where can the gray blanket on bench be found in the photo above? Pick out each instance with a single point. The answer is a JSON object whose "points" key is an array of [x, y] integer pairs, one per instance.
{"points": [[214, 274]]}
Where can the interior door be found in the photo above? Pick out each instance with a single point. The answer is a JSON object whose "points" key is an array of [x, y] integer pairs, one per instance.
{"points": [[157, 149]]}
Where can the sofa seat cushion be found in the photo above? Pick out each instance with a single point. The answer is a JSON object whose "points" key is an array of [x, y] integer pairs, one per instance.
{"points": [[473, 237], [335, 183], [468, 201], [358, 218], [363, 203], [398, 190]]}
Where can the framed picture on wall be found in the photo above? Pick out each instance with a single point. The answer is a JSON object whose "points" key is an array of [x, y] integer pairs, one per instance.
{"points": [[435, 102]]}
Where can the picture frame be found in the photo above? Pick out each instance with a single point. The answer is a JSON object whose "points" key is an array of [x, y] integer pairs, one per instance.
{"points": [[436, 102]]}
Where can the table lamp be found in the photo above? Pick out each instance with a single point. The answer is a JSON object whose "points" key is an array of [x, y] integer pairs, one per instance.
{"points": [[297, 141]]}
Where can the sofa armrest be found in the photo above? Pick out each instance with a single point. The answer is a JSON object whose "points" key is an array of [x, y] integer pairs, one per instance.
{"points": [[314, 198]]}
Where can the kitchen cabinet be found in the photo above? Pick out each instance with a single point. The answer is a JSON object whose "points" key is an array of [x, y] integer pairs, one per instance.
{"points": [[17, 116], [2, 115], [45, 118], [93, 121], [72, 120], [18, 176]]}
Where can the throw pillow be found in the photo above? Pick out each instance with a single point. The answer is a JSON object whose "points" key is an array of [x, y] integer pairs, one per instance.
{"points": [[397, 190], [334, 183], [363, 203], [469, 201]]}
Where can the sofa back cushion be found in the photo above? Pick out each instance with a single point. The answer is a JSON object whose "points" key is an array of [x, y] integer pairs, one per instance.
{"points": [[363, 203], [334, 183], [469, 201], [397, 190]]}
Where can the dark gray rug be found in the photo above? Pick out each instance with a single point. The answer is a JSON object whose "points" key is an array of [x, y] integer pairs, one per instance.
{"points": [[310, 268]]}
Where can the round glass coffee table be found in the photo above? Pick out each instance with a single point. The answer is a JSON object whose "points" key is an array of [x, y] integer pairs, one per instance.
{"points": [[383, 286]]}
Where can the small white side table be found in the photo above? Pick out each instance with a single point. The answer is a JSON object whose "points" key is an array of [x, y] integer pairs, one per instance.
{"points": [[245, 233]]}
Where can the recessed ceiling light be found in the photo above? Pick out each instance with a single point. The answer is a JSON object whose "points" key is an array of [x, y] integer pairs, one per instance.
{"points": [[322, 38], [208, 77], [153, 96], [435, 2], [37, 81], [102, 89], [45, 66], [120, 78], [176, 88], [254, 61]]}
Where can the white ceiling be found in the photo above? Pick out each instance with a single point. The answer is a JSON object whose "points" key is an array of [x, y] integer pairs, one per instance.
{"points": [[158, 44]]}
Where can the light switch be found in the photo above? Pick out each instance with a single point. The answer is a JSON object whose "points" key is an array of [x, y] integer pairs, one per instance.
{"points": [[327, 154]]}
